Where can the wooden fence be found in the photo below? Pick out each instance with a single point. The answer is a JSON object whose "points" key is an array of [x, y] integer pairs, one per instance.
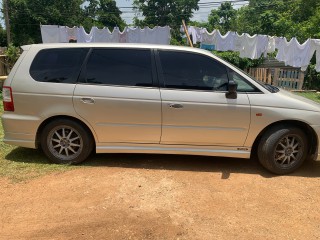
{"points": [[287, 78], [3, 68]]}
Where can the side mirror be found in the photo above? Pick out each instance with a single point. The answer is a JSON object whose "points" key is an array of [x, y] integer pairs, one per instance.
{"points": [[232, 90]]}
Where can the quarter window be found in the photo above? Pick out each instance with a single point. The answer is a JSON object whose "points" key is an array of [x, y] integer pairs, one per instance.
{"points": [[243, 84], [192, 71], [127, 67], [58, 65]]}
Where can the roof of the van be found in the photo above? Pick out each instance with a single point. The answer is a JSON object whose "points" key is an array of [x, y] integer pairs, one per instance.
{"points": [[112, 45]]}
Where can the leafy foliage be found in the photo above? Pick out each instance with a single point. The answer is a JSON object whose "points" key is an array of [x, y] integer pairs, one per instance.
{"points": [[27, 15], [223, 18], [3, 37], [165, 13], [234, 58], [12, 54], [103, 13]]}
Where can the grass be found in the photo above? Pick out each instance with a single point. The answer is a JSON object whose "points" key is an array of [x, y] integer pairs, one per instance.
{"points": [[20, 164], [311, 95]]}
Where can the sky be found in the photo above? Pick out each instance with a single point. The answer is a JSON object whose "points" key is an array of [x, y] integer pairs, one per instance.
{"points": [[200, 15]]}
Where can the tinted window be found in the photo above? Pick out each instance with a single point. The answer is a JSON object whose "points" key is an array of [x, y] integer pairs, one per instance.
{"points": [[192, 71], [243, 84], [120, 67], [58, 65]]}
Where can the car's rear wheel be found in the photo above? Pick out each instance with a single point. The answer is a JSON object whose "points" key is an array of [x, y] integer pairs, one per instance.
{"points": [[283, 150], [66, 142]]}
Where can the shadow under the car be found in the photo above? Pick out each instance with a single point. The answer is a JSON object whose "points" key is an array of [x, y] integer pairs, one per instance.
{"points": [[226, 166]]}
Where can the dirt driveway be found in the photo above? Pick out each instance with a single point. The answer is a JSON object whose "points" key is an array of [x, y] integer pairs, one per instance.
{"points": [[163, 197]]}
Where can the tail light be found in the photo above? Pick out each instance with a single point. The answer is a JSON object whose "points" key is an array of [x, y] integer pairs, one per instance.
{"points": [[7, 99]]}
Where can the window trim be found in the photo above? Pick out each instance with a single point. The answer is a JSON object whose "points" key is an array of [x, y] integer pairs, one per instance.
{"points": [[83, 74]]}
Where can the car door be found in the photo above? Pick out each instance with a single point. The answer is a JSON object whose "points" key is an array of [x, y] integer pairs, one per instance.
{"points": [[195, 109], [117, 96]]}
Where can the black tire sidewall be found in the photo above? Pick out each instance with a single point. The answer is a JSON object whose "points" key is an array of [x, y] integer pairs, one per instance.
{"points": [[269, 143], [86, 139]]}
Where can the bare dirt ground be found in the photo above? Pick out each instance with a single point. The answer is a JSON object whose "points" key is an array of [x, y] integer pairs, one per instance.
{"points": [[163, 197]]}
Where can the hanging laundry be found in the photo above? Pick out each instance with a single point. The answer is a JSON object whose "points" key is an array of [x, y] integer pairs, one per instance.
{"points": [[239, 42], [50, 33], [208, 40], [226, 42], [63, 34], [133, 35], [249, 44], [316, 46], [83, 36], [282, 46], [123, 36], [72, 33], [294, 54], [262, 46], [114, 35], [101, 35], [195, 33], [163, 35], [271, 44], [150, 35], [300, 54]]}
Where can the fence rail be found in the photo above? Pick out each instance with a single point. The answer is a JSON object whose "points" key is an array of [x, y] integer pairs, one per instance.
{"points": [[287, 78]]}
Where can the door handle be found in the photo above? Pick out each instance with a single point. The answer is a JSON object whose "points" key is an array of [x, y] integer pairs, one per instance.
{"points": [[175, 105], [87, 100]]}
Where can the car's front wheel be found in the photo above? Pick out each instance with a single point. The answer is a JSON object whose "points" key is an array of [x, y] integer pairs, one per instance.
{"points": [[282, 149], [66, 142]]}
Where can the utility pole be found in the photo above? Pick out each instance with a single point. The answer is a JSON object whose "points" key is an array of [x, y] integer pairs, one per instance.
{"points": [[7, 21]]}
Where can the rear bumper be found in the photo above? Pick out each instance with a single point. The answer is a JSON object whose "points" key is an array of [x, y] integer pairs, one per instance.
{"points": [[20, 130], [20, 139]]}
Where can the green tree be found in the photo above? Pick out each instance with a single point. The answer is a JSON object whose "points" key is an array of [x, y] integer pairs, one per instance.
{"points": [[223, 18], [3, 37], [165, 13], [27, 15], [103, 13]]}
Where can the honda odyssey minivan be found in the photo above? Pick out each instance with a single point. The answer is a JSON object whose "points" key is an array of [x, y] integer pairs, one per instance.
{"points": [[72, 99]]}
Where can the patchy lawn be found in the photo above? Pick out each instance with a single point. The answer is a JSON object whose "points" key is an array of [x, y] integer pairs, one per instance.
{"points": [[311, 95], [19, 164]]}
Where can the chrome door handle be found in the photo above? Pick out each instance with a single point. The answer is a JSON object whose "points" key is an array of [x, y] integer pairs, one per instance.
{"points": [[175, 105], [87, 100]]}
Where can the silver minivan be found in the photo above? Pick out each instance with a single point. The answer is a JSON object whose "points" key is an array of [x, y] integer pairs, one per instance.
{"points": [[71, 99]]}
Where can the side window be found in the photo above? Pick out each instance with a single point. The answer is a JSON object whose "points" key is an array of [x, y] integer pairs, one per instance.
{"points": [[243, 84], [128, 67], [58, 65], [192, 71]]}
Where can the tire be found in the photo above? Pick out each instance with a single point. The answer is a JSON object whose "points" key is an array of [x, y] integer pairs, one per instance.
{"points": [[66, 142], [283, 149]]}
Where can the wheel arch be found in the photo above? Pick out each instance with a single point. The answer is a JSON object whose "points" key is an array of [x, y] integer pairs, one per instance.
{"points": [[53, 118], [295, 123]]}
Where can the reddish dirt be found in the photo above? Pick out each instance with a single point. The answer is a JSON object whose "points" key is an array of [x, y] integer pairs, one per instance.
{"points": [[163, 197]]}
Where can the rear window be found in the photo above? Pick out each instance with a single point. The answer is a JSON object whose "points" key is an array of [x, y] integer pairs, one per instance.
{"points": [[58, 65]]}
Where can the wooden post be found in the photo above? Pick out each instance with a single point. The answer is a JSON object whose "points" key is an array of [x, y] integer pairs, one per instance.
{"points": [[276, 77], [7, 20], [187, 33], [301, 80], [269, 76]]}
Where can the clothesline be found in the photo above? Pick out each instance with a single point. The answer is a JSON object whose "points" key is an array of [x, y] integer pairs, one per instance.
{"points": [[63, 34], [292, 53]]}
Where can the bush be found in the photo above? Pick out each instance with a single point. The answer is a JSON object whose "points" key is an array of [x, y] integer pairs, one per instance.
{"points": [[12, 54]]}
